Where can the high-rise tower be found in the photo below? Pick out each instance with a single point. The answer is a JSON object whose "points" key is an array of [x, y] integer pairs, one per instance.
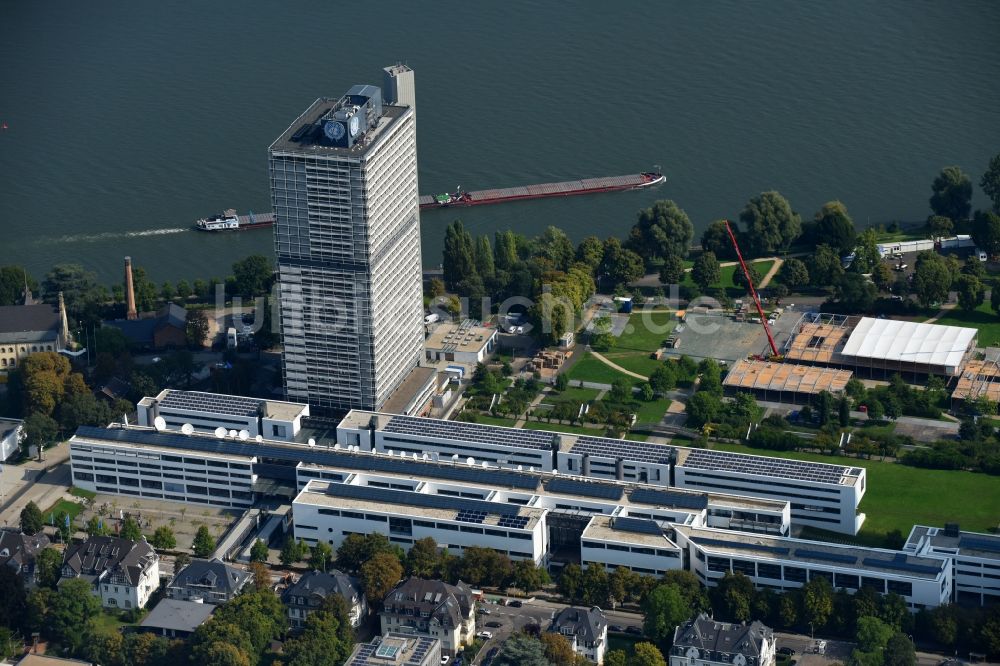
{"points": [[347, 237]]}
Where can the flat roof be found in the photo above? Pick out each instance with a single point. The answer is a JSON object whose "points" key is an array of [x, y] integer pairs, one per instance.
{"points": [[819, 337], [971, 544], [177, 614], [415, 383], [414, 503], [227, 405], [86, 435], [979, 378], [909, 341], [800, 551], [604, 528], [318, 109], [469, 337], [769, 376], [602, 447]]}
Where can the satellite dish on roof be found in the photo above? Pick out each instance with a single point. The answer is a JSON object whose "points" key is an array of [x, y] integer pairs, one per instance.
{"points": [[415, 456], [232, 434], [220, 432], [520, 467], [244, 435], [454, 457], [159, 423], [485, 464], [389, 453], [187, 429], [425, 456], [312, 442], [470, 461]]}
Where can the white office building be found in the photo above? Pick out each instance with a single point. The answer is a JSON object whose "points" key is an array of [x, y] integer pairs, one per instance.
{"points": [[821, 495], [204, 412], [347, 239], [11, 436], [924, 581], [974, 558]]}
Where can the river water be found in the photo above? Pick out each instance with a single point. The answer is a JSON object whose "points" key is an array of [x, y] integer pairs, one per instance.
{"points": [[126, 121]]}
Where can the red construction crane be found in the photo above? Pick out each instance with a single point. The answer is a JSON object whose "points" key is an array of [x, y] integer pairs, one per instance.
{"points": [[753, 292]]}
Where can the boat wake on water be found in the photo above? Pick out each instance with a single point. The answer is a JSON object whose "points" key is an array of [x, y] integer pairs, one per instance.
{"points": [[92, 238]]}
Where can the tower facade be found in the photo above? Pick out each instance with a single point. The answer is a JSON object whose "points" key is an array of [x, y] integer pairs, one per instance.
{"points": [[347, 238]]}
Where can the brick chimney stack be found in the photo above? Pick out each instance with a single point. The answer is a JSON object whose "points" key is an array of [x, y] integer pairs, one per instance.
{"points": [[129, 291]]}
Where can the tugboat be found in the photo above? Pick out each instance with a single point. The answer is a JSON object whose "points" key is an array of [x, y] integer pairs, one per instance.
{"points": [[228, 220]]}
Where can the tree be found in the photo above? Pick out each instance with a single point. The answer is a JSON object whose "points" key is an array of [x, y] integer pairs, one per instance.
{"points": [[484, 257], [163, 538], [716, 239], [615, 658], [561, 382], [459, 258], [940, 226], [167, 291], [672, 270], [706, 271], [770, 223], [866, 255], [788, 609], [71, 613], [204, 543], [424, 558], [196, 329], [555, 246], [484, 566], [855, 292], [621, 390], [825, 268], [882, 276], [844, 411], [620, 265], [504, 250], [664, 608], [590, 251], [899, 651], [31, 519], [357, 549], [521, 650], [12, 282], [662, 230], [793, 273], [528, 577], [322, 555], [990, 182], [664, 378], [952, 194], [873, 634], [95, 527], [325, 641], [48, 567], [571, 581], [834, 226], [971, 292], [646, 654], [78, 286], [13, 598], [259, 614], [557, 649], [711, 376], [732, 597], [646, 392], [817, 601], [594, 585], [379, 575], [254, 275], [221, 631], [258, 552], [740, 278], [931, 278], [130, 529], [290, 552], [703, 407], [986, 232]]}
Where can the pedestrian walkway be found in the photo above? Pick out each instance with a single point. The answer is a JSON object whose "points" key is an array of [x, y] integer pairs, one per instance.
{"points": [[611, 364]]}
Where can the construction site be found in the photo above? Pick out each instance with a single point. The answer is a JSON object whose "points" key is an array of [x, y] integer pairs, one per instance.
{"points": [[784, 382]]}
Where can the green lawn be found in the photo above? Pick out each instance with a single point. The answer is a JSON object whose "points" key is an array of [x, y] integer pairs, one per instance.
{"points": [[651, 412], [645, 332], [899, 496], [494, 420], [71, 508], [640, 363], [982, 318], [726, 275], [572, 394], [108, 623], [562, 427], [589, 369], [80, 492]]}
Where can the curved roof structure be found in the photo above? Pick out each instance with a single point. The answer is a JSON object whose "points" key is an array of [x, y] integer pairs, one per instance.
{"points": [[909, 342]]}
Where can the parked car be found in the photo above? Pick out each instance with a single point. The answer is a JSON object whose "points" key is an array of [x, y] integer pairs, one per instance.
{"points": [[483, 611], [633, 630], [493, 624], [485, 635], [616, 627], [516, 603], [445, 659]]}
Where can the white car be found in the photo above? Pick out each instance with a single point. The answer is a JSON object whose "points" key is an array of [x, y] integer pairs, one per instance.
{"points": [[485, 635], [445, 659]]}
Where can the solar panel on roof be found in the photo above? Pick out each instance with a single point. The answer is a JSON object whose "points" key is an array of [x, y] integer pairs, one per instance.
{"points": [[667, 498], [584, 488], [741, 545], [316, 455], [637, 525], [410, 498], [764, 466], [477, 433], [902, 565], [625, 449], [992, 545], [841, 558], [216, 403]]}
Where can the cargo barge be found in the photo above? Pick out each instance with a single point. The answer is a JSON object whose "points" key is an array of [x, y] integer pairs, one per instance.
{"points": [[229, 221], [564, 189]]}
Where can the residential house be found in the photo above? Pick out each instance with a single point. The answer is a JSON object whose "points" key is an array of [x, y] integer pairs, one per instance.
{"points": [[18, 551], [585, 629], [212, 581], [175, 618], [431, 608], [167, 329], [707, 642], [123, 573], [308, 593]]}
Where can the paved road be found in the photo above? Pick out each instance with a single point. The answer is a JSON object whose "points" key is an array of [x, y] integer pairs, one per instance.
{"points": [[40, 482]]}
